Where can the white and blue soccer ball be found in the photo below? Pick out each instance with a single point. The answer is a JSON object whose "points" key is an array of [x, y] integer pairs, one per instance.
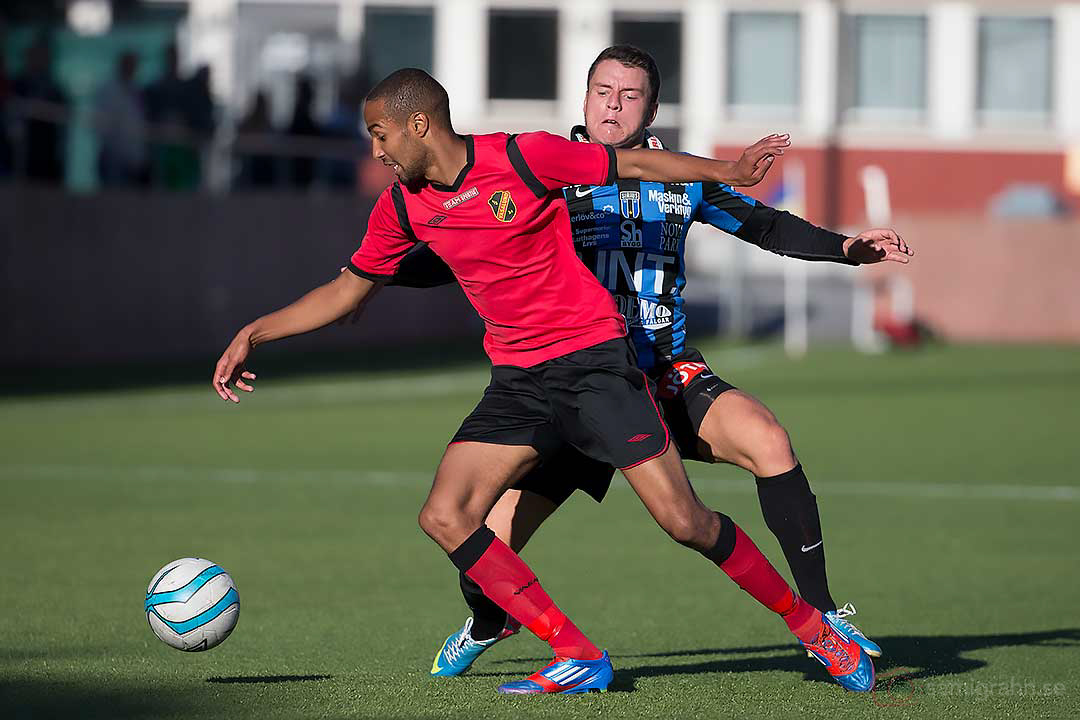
{"points": [[192, 604]]}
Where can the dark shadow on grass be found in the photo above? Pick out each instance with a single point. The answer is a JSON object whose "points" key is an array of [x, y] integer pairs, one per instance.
{"points": [[256, 679], [33, 699], [916, 657]]}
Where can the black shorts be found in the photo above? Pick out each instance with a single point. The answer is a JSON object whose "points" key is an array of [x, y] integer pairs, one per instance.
{"points": [[594, 400], [686, 389]]}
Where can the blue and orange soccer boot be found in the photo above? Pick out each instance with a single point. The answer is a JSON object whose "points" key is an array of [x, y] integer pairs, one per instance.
{"points": [[842, 657], [839, 618], [565, 676], [459, 651]]}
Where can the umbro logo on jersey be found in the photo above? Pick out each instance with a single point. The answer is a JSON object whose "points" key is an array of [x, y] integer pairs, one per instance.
{"points": [[502, 206], [639, 438], [436, 220], [581, 191], [458, 199]]}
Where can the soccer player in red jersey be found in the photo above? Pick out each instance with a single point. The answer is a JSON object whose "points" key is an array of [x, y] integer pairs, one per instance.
{"points": [[562, 368]]}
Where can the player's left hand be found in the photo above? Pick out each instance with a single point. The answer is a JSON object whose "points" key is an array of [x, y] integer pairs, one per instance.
{"points": [[756, 160], [877, 245]]}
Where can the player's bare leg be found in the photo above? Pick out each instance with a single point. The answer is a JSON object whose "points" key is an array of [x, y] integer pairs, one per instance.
{"points": [[467, 484], [739, 429], [469, 481]]}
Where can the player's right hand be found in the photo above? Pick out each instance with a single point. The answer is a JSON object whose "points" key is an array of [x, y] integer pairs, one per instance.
{"points": [[230, 369]]}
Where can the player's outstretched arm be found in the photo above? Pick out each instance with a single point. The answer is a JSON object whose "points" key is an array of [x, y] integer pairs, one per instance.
{"points": [[319, 307], [663, 166]]}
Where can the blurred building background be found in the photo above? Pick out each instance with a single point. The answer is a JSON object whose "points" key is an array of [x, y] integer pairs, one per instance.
{"points": [[177, 167]]}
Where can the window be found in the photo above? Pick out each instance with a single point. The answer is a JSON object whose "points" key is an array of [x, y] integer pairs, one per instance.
{"points": [[1014, 68], [764, 63], [522, 54], [397, 37], [889, 61], [661, 37]]}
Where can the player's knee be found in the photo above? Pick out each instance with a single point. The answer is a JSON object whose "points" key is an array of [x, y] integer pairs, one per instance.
{"points": [[771, 453], [688, 528], [439, 525]]}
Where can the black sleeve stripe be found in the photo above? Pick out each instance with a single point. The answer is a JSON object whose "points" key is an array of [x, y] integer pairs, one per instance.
{"points": [[402, 212], [368, 276], [522, 168], [613, 166]]}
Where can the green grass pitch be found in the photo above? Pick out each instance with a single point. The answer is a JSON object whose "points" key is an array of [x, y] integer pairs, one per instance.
{"points": [[947, 480]]}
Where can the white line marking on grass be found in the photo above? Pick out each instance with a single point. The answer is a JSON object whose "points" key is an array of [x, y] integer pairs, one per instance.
{"points": [[153, 473]]}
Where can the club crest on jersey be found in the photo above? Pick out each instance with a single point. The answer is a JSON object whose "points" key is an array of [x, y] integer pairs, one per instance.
{"points": [[502, 206], [630, 204]]}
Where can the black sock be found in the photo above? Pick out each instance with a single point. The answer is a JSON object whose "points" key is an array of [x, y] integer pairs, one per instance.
{"points": [[488, 618], [791, 512]]}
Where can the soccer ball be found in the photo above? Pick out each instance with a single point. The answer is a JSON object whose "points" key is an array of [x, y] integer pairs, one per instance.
{"points": [[192, 604]]}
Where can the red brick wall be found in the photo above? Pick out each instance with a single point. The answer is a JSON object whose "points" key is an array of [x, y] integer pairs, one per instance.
{"points": [[977, 279]]}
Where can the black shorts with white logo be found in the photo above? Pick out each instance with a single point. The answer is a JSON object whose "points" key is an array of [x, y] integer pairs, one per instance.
{"points": [[595, 401], [686, 388]]}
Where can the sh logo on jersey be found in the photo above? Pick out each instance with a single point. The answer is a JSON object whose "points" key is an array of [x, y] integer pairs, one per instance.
{"points": [[630, 204], [502, 206]]}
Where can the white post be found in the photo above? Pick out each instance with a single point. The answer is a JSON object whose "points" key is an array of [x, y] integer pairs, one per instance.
{"points": [[954, 61], [820, 30], [212, 34], [461, 47], [704, 59], [584, 30], [796, 312], [1067, 69]]}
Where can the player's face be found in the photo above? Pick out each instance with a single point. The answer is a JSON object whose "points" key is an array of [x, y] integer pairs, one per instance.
{"points": [[617, 109], [393, 145]]}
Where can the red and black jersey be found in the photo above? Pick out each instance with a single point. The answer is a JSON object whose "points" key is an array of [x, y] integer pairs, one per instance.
{"points": [[504, 231]]}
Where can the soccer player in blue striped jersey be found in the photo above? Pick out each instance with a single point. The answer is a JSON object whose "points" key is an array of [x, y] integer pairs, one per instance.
{"points": [[631, 235]]}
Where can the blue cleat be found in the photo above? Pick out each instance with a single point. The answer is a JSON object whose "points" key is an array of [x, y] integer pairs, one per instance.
{"points": [[839, 619], [565, 676], [842, 657], [459, 651]]}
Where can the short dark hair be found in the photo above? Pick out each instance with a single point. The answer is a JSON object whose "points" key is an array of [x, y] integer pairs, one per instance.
{"points": [[410, 90], [634, 57]]}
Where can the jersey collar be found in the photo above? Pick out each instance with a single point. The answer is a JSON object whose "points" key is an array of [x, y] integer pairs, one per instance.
{"points": [[470, 160], [579, 134]]}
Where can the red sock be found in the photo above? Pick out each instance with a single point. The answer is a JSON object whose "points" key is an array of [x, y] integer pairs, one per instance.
{"points": [[753, 572], [507, 580]]}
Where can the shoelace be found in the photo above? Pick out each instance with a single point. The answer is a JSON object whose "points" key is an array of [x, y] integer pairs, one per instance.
{"points": [[840, 616], [834, 648], [456, 648]]}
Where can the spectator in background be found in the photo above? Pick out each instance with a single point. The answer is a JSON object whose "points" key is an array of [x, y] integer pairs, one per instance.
{"points": [[43, 109], [257, 169], [121, 122], [344, 124], [303, 126], [199, 115], [170, 148]]}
